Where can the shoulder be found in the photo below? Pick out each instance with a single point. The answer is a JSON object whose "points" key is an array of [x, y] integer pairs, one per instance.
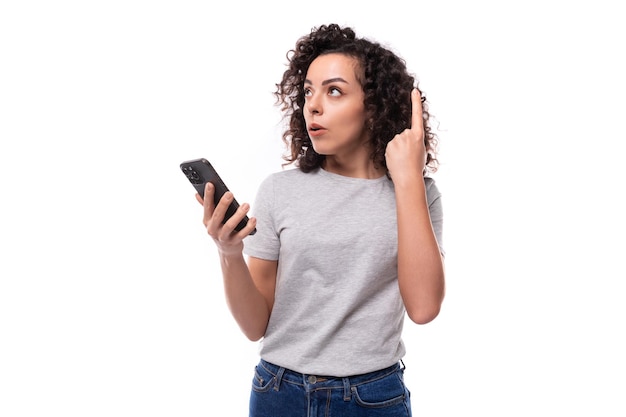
{"points": [[288, 176], [432, 190], [284, 181], [430, 183], [286, 172]]}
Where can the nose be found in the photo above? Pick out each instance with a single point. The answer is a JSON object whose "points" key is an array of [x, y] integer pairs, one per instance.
{"points": [[313, 104]]}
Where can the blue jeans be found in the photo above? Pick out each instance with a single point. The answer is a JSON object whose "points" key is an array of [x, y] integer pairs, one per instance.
{"points": [[279, 392]]}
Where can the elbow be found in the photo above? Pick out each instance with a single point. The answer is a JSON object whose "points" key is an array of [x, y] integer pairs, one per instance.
{"points": [[250, 332], [253, 335], [423, 315], [425, 308]]}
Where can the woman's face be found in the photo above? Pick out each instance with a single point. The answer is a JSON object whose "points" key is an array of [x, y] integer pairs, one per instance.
{"points": [[334, 111]]}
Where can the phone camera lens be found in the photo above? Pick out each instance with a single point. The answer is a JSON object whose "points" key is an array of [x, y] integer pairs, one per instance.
{"points": [[192, 175]]}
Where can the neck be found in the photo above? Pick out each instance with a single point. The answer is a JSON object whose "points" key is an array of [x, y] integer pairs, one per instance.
{"points": [[353, 167]]}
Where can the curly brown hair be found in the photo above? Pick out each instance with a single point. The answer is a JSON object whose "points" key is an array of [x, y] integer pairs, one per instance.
{"points": [[385, 81]]}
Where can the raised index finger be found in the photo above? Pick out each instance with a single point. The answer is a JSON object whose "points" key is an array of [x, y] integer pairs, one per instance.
{"points": [[417, 121]]}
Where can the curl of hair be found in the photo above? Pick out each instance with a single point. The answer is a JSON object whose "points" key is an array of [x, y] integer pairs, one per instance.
{"points": [[385, 81]]}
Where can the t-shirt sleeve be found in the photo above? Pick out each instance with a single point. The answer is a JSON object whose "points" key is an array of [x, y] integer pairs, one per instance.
{"points": [[436, 211], [265, 243]]}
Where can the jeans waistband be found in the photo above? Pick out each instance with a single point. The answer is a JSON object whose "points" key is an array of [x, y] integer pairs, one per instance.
{"points": [[285, 374]]}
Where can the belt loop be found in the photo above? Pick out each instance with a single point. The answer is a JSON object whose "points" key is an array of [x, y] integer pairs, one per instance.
{"points": [[403, 367], [279, 378], [346, 389]]}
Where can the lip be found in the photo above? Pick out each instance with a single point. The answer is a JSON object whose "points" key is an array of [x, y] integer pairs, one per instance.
{"points": [[316, 130]]}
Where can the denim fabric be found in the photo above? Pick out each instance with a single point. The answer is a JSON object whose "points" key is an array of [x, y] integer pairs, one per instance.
{"points": [[279, 392]]}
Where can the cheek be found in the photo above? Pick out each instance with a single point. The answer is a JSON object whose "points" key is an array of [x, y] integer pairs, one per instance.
{"points": [[355, 121]]}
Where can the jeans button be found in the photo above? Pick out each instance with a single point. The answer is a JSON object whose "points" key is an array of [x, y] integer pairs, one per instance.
{"points": [[312, 379]]}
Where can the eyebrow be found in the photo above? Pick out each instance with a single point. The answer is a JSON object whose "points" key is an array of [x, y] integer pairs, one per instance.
{"points": [[329, 81]]}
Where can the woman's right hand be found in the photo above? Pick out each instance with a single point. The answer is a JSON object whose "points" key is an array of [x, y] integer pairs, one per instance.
{"points": [[227, 239]]}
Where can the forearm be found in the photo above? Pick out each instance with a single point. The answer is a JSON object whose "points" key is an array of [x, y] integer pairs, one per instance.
{"points": [[420, 264], [246, 303]]}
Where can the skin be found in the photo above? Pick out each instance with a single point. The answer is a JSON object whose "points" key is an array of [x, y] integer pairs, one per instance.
{"points": [[334, 101]]}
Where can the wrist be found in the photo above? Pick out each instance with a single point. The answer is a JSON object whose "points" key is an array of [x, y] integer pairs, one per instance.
{"points": [[408, 180], [230, 252]]}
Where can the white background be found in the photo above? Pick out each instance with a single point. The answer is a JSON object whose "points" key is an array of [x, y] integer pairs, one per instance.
{"points": [[111, 299]]}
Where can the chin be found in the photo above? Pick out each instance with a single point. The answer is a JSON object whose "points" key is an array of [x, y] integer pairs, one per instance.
{"points": [[320, 150]]}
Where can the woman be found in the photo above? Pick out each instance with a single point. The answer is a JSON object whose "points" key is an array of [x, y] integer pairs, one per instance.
{"points": [[346, 244]]}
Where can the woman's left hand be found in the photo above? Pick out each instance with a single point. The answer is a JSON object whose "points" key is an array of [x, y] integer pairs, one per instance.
{"points": [[406, 154]]}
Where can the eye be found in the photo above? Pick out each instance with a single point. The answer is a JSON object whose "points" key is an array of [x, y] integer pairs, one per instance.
{"points": [[334, 91], [307, 92]]}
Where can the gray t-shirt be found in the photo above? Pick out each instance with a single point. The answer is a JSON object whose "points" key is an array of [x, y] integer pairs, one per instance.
{"points": [[338, 309]]}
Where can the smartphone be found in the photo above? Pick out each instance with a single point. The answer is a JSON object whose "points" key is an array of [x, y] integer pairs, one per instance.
{"points": [[199, 172]]}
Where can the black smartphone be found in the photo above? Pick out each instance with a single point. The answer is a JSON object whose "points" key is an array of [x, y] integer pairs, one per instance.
{"points": [[199, 172]]}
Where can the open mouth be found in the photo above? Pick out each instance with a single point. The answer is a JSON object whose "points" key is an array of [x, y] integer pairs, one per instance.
{"points": [[315, 129]]}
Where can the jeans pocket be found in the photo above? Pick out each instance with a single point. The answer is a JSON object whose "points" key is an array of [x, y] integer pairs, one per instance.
{"points": [[262, 380], [381, 393]]}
